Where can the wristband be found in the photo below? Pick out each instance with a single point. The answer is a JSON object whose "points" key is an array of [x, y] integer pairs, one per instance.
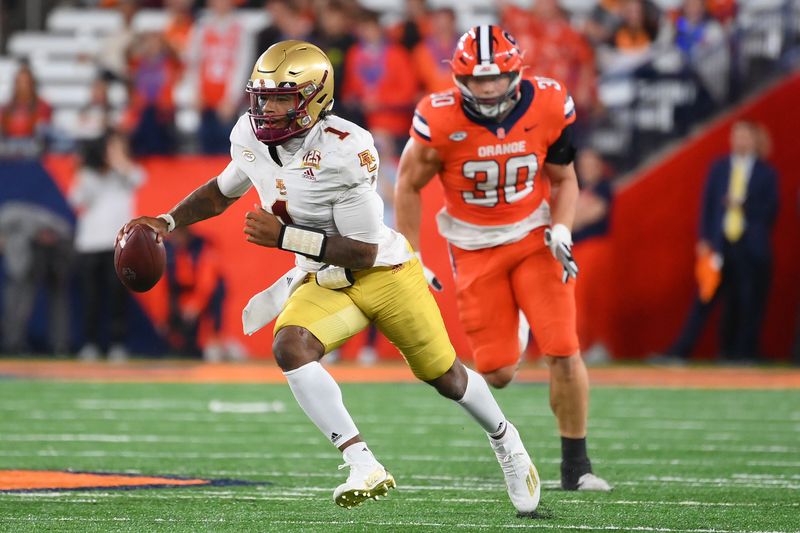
{"points": [[334, 277], [169, 219], [303, 240]]}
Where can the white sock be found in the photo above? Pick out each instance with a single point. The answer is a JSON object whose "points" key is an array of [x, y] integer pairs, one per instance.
{"points": [[479, 402], [359, 452], [321, 399]]}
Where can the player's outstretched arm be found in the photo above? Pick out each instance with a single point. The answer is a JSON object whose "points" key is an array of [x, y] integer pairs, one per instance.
{"points": [[264, 228], [564, 202], [418, 165], [204, 202]]}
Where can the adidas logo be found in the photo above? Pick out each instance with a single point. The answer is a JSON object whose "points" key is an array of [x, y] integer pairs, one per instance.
{"points": [[335, 437], [309, 175], [531, 481]]}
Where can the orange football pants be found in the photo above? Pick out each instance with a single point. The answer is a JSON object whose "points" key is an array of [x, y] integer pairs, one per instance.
{"points": [[493, 284]]}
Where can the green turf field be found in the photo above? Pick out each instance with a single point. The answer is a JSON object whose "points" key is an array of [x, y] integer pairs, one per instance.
{"points": [[681, 460]]}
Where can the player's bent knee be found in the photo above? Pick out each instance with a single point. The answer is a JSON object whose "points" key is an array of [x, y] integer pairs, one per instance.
{"points": [[453, 383], [501, 377], [294, 347]]}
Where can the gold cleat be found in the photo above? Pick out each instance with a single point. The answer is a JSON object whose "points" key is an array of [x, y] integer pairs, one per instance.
{"points": [[354, 491]]}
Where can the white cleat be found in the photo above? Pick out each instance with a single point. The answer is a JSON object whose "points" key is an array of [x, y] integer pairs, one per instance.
{"points": [[366, 481], [522, 479], [593, 483]]}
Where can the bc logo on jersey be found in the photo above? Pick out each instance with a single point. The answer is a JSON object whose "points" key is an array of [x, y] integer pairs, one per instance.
{"points": [[281, 186], [366, 159]]}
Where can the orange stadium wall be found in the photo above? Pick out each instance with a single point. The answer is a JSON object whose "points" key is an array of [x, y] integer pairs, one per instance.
{"points": [[248, 268], [649, 285], [654, 230]]}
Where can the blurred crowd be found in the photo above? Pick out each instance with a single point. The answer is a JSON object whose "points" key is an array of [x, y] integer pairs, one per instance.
{"points": [[205, 52]]}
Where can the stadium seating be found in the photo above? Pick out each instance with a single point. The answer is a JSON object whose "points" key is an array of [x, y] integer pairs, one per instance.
{"points": [[660, 106], [62, 59]]}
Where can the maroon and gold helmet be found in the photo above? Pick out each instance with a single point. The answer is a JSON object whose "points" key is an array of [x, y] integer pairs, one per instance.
{"points": [[289, 69]]}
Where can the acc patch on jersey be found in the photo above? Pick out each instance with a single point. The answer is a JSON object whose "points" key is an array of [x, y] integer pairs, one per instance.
{"points": [[457, 136]]}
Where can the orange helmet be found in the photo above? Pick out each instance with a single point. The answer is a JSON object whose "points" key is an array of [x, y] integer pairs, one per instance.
{"points": [[487, 50]]}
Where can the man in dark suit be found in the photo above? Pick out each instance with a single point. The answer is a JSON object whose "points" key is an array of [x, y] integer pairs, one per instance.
{"points": [[739, 207]]}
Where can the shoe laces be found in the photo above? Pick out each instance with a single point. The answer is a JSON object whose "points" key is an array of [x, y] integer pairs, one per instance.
{"points": [[515, 463]]}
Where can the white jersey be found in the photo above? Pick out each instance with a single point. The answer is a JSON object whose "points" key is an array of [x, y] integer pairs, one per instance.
{"points": [[328, 183]]}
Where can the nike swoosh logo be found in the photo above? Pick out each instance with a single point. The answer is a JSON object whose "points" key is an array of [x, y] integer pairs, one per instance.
{"points": [[529, 128]]}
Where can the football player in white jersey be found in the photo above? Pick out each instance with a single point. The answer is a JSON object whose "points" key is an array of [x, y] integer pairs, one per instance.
{"points": [[315, 175]]}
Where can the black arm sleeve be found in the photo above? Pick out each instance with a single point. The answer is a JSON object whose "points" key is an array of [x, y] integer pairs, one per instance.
{"points": [[562, 152]]}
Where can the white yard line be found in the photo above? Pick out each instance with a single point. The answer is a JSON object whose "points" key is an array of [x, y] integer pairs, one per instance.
{"points": [[402, 523], [455, 484], [534, 525], [386, 457], [394, 523], [602, 427], [314, 493], [236, 441], [289, 496]]}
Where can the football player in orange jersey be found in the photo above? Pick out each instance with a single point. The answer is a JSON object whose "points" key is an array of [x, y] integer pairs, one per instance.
{"points": [[501, 146]]}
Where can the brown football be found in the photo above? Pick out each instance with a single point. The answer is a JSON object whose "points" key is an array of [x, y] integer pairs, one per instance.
{"points": [[139, 258]]}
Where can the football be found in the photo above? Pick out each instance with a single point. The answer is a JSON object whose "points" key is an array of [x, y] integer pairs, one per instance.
{"points": [[139, 258]]}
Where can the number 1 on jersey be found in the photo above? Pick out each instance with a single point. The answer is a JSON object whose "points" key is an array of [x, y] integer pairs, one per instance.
{"points": [[281, 210]]}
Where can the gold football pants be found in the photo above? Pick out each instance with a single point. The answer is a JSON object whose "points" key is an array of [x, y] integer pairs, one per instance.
{"points": [[396, 299]]}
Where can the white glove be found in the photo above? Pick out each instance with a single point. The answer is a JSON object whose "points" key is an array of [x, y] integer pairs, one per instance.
{"points": [[430, 277], [559, 240]]}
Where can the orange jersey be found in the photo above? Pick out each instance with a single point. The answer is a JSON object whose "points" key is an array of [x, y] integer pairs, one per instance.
{"points": [[492, 171]]}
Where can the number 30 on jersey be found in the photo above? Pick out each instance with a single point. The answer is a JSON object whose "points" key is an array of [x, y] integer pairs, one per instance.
{"points": [[490, 180]]}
